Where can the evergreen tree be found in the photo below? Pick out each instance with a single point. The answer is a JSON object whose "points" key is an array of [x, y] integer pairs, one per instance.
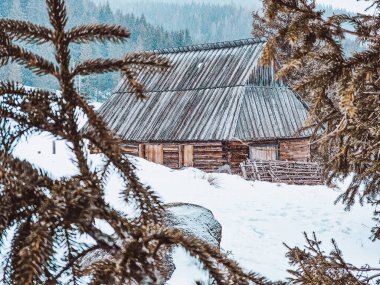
{"points": [[5, 8], [188, 40], [344, 94], [105, 14]]}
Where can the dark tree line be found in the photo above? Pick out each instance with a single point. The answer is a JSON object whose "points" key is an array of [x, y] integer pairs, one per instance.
{"points": [[206, 22], [145, 36], [210, 21]]}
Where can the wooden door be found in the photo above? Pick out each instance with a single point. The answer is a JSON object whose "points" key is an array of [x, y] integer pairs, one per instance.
{"points": [[186, 156], [263, 152], [154, 153]]}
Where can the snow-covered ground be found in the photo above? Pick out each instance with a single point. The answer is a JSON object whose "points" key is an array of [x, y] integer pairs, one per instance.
{"points": [[256, 217]]}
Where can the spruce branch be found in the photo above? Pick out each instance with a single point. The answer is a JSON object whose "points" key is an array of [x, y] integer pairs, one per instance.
{"points": [[98, 33], [97, 66], [57, 15], [25, 31], [39, 65], [314, 266]]}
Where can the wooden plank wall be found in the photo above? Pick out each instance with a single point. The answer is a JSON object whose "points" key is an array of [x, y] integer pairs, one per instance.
{"points": [[205, 156], [263, 152], [132, 149], [238, 153], [171, 155], [155, 153], [295, 150], [209, 156], [212, 155]]}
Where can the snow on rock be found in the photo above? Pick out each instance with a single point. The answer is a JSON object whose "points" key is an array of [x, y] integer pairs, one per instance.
{"points": [[194, 221], [257, 217]]}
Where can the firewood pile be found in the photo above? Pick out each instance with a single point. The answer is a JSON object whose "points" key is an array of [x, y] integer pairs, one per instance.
{"points": [[289, 172]]}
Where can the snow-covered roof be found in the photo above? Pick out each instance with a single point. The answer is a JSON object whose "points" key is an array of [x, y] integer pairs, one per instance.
{"points": [[213, 92]]}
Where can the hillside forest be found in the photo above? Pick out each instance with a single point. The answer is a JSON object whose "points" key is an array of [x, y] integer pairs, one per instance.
{"points": [[144, 36], [153, 24]]}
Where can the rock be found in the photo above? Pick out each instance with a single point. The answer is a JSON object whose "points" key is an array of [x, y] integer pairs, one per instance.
{"points": [[193, 220], [224, 169]]}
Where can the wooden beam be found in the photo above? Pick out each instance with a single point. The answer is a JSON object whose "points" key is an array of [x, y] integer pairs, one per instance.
{"points": [[142, 150], [180, 156]]}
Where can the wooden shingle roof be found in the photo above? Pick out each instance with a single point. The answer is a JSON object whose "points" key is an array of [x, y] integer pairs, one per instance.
{"points": [[203, 66], [206, 96]]}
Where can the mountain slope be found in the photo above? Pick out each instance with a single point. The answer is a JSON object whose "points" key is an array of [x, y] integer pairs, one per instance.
{"points": [[211, 21], [206, 20], [145, 36]]}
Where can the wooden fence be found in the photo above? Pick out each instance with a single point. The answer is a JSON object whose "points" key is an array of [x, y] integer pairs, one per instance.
{"points": [[290, 172]]}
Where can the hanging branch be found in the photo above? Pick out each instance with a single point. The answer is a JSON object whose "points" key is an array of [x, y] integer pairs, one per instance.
{"points": [[344, 94]]}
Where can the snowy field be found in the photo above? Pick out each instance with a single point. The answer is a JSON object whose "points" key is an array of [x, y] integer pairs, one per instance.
{"points": [[256, 217]]}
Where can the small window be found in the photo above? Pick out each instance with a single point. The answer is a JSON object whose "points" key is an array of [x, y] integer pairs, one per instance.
{"points": [[263, 152]]}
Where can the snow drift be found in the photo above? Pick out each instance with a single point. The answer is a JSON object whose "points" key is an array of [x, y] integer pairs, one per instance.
{"points": [[256, 217]]}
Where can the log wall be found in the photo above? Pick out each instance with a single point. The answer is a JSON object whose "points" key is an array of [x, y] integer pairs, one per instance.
{"points": [[171, 155], [210, 156], [205, 156], [289, 150], [295, 150], [238, 152], [132, 149]]}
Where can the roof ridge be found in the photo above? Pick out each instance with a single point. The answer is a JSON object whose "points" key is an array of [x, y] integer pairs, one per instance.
{"points": [[212, 87], [186, 89], [208, 46]]}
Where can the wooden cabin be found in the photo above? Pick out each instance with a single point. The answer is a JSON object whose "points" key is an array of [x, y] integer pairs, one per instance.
{"points": [[214, 107]]}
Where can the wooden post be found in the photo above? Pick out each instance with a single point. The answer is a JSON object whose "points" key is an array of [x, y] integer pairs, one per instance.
{"points": [[256, 170], [159, 154], [243, 170], [54, 148], [142, 151], [180, 156], [188, 155]]}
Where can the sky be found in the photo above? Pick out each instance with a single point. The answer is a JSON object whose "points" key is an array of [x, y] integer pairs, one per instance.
{"points": [[350, 5]]}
